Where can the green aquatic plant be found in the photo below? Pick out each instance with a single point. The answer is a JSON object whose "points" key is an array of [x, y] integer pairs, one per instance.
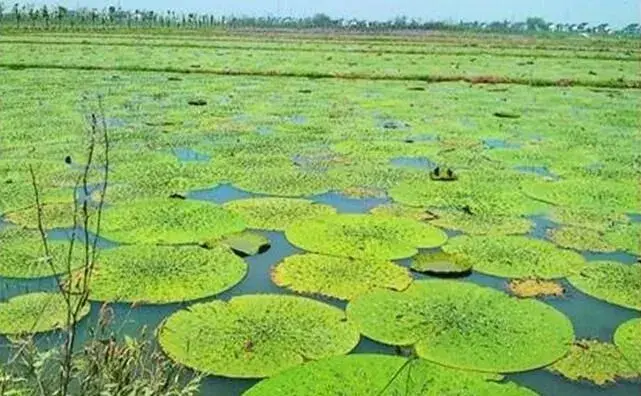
{"points": [[245, 243], [36, 313], [580, 239], [364, 236], [382, 375], [593, 219], [161, 274], [169, 221], [487, 224], [54, 215], [628, 339], [256, 336], [460, 324], [23, 256], [515, 256], [339, 277], [398, 210], [441, 263], [610, 281], [283, 181], [625, 237], [276, 213], [527, 288], [594, 361]]}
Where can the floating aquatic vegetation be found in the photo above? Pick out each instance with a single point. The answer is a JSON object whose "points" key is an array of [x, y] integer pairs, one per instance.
{"points": [[256, 336], [372, 375], [590, 193], [36, 313], [245, 243], [160, 274], [580, 239], [339, 277], [460, 324], [364, 236], [276, 213], [515, 256], [483, 224], [408, 212], [54, 215], [441, 264], [628, 339], [526, 288], [594, 361], [23, 256], [610, 281], [593, 219], [286, 182], [626, 237], [169, 221]]}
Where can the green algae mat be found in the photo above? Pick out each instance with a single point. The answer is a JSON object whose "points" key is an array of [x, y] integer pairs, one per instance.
{"points": [[256, 336], [372, 375], [459, 324]]}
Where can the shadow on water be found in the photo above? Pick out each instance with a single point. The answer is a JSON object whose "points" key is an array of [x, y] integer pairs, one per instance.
{"points": [[221, 194], [345, 204]]}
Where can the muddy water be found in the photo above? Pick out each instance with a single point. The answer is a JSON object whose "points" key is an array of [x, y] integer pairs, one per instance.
{"points": [[591, 318]]}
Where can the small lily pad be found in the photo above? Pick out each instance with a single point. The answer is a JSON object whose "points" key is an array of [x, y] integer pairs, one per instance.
{"points": [[441, 264], [339, 277], [36, 313], [526, 288], [256, 336], [610, 281], [628, 339], [246, 243], [594, 361], [364, 236]]}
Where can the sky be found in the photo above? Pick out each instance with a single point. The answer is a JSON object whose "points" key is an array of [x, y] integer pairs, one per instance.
{"points": [[617, 13]]}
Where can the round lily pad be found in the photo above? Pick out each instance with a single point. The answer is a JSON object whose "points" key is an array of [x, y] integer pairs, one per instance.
{"points": [[36, 313], [482, 224], [256, 336], [339, 277], [374, 375], [163, 274], [626, 237], [460, 324], [580, 239], [22, 255], [628, 339], [515, 256], [398, 210], [169, 221], [610, 281], [594, 361], [441, 264], [276, 213], [364, 236]]}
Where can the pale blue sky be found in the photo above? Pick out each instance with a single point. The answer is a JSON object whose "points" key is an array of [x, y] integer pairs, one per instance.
{"points": [[616, 12]]}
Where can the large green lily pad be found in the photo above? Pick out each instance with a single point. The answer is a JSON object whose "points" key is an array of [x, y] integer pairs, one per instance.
{"points": [[580, 239], [256, 336], [610, 281], [22, 255], [162, 274], [594, 361], [54, 215], [36, 313], [482, 224], [628, 339], [276, 213], [515, 256], [364, 236], [339, 277], [169, 221], [441, 264], [460, 324], [398, 210], [377, 375]]}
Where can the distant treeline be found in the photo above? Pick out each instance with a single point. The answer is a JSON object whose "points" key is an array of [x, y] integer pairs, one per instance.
{"points": [[30, 17]]}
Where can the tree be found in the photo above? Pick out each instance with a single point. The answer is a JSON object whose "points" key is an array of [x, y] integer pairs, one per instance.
{"points": [[536, 24], [16, 13], [45, 15]]}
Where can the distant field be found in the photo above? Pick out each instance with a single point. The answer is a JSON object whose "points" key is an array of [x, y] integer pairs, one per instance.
{"points": [[543, 136]]}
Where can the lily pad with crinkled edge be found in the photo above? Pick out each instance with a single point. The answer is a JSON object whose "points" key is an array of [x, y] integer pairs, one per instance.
{"points": [[610, 281], [169, 221], [256, 336], [276, 213], [339, 277], [580, 239], [164, 274], [398, 210], [364, 236], [374, 375], [628, 339], [482, 224], [36, 313], [594, 361], [246, 243], [515, 256], [460, 324], [441, 264], [22, 255]]}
